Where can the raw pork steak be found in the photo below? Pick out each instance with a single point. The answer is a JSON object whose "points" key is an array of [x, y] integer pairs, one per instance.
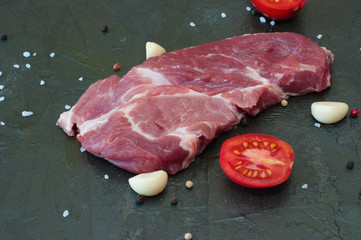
{"points": [[164, 112]]}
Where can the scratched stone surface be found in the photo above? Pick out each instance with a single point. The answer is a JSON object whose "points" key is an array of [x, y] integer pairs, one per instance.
{"points": [[43, 172]]}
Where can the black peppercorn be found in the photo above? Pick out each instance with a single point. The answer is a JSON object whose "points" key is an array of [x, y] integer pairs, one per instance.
{"points": [[140, 199], [244, 121], [105, 28], [4, 37], [350, 164], [255, 12], [174, 201]]}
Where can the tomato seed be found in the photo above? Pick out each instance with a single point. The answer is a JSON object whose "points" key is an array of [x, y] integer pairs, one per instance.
{"points": [[236, 152]]}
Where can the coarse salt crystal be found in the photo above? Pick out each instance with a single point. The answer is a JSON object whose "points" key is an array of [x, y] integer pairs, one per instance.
{"points": [[65, 213], [106, 176], [272, 23], [42, 82], [304, 186], [67, 107], [28, 65], [16, 65], [26, 54], [223, 15], [81, 79], [82, 149], [27, 113], [192, 24], [2, 98], [52, 54], [248, 9], [319, 36], [262, 20], [1, 87], [34, 54], [1, 73], [317, 125], [2, 123]]}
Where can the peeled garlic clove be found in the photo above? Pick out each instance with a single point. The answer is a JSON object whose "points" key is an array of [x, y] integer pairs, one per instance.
{"points": [[149, 184], [329, 112], [152, 49]]}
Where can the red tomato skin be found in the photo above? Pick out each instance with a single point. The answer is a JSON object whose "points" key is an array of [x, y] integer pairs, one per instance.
{"points": [[279, 173], [278, 10]]}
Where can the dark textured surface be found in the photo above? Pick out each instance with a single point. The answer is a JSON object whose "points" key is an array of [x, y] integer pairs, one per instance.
{"points": [[43, 173]]}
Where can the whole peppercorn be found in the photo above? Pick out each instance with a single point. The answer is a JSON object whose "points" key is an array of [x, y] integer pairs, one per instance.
{"points": [[139, 199], [4, 37], [105, 28], [174, 201], [350, 164], [116, 67], [189, 184], [244, 121], [354, 113]]}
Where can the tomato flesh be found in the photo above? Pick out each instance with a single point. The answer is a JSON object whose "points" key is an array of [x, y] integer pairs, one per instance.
{"points": [[279, 9], [257, 160]]}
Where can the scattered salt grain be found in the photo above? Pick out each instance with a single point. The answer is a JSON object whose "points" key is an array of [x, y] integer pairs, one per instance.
{"points": [[16, 66], [304, 186], [319, 36], [223, 15], [65, 213], [26, 54], [27, 113], [262, 20], [42, 82], [82, 149], [1, 87], [28, 65], [2, 123], [248, 9], [192, 24], [272, 23], [52, 54], [34, 54], [67, 107], [317, 125], [81, 79], [2, 98], [106, 176], [1, 73]]}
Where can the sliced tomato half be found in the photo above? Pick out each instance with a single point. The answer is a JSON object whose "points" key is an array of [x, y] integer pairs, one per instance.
{"points": [[279, 9], [257, 160]]}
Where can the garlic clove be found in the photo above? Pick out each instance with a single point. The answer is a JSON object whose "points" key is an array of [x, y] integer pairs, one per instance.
{"points": [[149, 184], [329, 112], [153, 49]]}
